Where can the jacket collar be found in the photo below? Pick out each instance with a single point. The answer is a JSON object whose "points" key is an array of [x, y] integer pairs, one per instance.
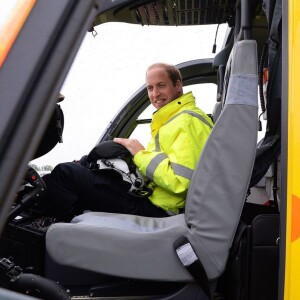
{"points": [[161, 116]]}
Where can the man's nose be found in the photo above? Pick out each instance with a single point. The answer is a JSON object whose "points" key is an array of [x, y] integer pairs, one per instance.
{"points": [[156, 91]]}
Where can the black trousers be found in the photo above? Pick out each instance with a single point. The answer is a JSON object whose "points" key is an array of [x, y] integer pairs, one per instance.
{"points": [[73, 188]]}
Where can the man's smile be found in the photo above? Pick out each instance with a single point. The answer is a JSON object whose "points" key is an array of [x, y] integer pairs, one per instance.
{"points": [[159, 100]]}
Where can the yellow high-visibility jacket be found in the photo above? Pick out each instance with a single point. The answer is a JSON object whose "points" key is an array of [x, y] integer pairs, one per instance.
{"points": [[179, 132]]}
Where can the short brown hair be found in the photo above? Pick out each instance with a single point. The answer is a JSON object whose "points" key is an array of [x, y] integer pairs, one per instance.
{"points": [[173, 72]]}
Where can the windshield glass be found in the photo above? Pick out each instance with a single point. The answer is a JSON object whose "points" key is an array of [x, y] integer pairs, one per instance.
{"points": [[110, 67]]}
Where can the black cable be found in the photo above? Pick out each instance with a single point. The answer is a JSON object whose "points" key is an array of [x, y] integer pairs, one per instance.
{"points": [[260, 76], [260, 82], [215, 42]]}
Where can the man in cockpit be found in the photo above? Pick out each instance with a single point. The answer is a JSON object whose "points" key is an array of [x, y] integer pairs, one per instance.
{"points": [[179, 131]]}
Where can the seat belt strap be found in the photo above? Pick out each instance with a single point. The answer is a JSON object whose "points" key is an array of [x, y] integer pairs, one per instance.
{"points": [[191, 262]]}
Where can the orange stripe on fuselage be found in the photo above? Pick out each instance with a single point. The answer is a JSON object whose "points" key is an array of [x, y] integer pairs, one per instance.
{"points": [[295, 222]]}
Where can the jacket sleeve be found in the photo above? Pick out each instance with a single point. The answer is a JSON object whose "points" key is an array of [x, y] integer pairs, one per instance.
{"points": [[172, 165]]}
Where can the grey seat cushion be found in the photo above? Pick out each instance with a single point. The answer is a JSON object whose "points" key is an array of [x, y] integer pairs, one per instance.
{"points": [[130, 246]]}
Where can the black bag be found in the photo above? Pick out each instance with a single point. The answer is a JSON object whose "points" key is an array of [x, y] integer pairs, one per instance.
{"points": [[252, 268], [53, 133]]}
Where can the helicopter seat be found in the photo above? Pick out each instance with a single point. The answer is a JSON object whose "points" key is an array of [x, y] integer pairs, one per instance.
{"points": [[142, 247]]}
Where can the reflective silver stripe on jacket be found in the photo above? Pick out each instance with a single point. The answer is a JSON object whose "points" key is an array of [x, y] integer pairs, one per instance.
{"points": [[182, 170], [157, 147], [177, 168], [193, 114], [154, 164]]}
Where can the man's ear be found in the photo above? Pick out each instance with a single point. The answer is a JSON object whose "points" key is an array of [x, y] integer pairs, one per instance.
{"points": [[179, 87]]}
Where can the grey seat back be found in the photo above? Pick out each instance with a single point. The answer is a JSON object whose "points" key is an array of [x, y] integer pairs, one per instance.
{"points": [[221, 179]]}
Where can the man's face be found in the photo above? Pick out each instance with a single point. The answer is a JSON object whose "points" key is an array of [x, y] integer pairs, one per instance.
{"points": [[161, 89]]}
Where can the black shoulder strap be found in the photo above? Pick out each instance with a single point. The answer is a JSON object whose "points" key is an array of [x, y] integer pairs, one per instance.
{"points": [[275, 29], [191, 262], [274, 41]]}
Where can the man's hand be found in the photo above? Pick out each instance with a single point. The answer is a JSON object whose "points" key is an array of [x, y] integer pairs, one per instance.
{"points": [[133, 146]]}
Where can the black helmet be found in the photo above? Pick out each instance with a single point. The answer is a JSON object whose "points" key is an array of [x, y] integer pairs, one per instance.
{"points": [[111, 155]]}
